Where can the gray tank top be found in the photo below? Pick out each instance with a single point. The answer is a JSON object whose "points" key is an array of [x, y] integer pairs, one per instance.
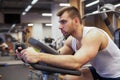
{"points": [[107, 61]]}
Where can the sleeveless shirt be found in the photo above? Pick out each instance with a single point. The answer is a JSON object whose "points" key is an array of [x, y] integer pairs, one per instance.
{"points": [[107, 61]]}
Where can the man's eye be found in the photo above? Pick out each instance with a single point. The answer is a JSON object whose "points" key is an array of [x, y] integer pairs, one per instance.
{"points": [[63, 21]]}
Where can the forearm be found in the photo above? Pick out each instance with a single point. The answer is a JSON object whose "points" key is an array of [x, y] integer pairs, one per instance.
{"points": [[65, 61]]}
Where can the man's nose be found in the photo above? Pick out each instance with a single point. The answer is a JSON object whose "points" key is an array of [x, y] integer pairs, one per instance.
{"points": [[60, 26]]}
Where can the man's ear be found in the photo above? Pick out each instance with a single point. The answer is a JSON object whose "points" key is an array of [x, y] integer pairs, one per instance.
{"points": [[76, 20]]}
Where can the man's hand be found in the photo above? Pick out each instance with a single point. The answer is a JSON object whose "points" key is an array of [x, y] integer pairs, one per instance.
{"points": [[29, 55], [18, 52]]}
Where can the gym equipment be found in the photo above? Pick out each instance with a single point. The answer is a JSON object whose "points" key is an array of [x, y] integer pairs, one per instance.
{"points": [[49, 70], [48, 49], [41, 46], [102, 11], [117, 37]]}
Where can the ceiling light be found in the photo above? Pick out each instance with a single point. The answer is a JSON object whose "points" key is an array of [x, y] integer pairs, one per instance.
{"points": [[23, 13], [117, 5], [92, 3], [95, 11], [33, 2], [28, 8], [13, 25], [64, 4], [46, 14], [30, 24], [48, 24]]}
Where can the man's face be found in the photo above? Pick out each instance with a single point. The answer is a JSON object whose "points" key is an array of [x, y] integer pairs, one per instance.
{"points": [[66, 24]]}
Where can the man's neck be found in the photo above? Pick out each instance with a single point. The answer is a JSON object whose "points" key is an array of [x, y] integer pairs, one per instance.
{"points": [[78, 32]]}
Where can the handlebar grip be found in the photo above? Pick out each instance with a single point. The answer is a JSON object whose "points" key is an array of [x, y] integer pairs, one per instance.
{"points": [[20, 45]]}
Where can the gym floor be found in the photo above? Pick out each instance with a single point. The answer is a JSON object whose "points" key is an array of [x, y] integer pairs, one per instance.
{"points": [[15, 70], [12, 69]]}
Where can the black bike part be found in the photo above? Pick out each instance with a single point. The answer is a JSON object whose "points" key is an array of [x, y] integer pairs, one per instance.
{"points": [[20, 45], [48, 68], [51, 69], [41, 46]]}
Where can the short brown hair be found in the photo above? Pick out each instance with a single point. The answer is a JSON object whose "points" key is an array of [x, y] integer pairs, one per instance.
{"points": [[72, 11]]}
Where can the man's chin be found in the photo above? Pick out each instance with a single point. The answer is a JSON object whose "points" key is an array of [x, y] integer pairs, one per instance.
{"points": [[66, 36]]}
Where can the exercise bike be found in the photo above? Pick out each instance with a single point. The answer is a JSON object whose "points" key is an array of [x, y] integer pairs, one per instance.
{"points": [[49, 72]]}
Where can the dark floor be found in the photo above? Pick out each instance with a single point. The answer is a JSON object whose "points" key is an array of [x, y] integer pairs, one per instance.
{"points": [[17, 70], [14, 72]]}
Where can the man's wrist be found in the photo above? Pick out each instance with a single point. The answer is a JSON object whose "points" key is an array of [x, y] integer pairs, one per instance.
{"points": [[40, 57]]}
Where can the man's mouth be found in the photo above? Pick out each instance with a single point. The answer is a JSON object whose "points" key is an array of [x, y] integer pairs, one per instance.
{"points": [[63, 32]]}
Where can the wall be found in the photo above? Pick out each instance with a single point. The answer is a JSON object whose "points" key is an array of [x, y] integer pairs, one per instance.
{"points": [[29, 18], [56, 33], [47, 31], [35, 18], [90, 21], [118, 22], [1, 18], [37, 31]]}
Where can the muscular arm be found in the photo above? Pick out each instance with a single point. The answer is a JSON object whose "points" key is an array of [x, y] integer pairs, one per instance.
{"points": [[66, 49], [90, 46]]}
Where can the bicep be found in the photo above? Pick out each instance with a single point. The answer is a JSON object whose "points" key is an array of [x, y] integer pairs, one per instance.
{"points": [[65, 50], [90, 47]]}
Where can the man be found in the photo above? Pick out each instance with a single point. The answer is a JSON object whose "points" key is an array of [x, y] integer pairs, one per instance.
{"points": [[83, 45], [3, 47]]}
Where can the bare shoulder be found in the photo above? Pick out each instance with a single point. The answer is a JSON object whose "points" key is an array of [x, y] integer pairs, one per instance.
{"points": [[96, 32], [99, 36]]}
